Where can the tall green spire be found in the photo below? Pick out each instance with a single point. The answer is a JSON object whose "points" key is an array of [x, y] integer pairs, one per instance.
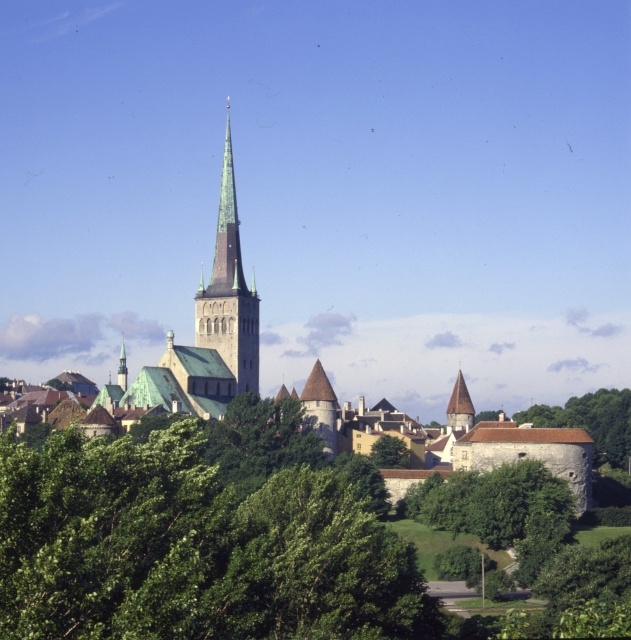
{"points": [[227, 267]]}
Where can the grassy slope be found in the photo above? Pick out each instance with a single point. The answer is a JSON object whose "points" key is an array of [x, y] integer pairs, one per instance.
{"points": [[593, 536], [430, 542]]}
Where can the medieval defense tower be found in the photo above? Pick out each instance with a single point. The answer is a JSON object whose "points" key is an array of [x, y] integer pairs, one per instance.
{"points": [[226, 311]]}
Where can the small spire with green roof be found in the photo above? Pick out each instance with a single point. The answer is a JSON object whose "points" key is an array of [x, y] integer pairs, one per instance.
{"points": [[201, 279]]}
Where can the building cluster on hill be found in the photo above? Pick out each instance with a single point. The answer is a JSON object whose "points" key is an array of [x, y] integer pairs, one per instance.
{"points": [[202, 379]]}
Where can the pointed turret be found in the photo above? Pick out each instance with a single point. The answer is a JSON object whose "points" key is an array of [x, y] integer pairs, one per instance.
{"points": [[320, 404], [282, 394], [122, 368], [318, 386], [460, 410], [227, 267]]}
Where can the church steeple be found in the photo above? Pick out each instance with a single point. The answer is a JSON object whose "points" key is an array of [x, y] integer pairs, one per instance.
{"points": [[227, 267], [122, 369], [226, 311]]}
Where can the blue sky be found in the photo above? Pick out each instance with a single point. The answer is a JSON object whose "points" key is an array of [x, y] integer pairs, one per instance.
{"points": [[422, 186]]}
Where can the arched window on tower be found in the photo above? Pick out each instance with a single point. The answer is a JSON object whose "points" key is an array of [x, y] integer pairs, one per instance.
{"points": [[216, 325], [223, 325]]}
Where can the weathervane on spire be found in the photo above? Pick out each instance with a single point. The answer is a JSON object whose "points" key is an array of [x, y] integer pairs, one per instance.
{"points": [[228, 103]]}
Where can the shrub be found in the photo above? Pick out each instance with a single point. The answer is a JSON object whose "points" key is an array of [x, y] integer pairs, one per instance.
{"points": [[497, 584], [607, 517], [461, 563]]}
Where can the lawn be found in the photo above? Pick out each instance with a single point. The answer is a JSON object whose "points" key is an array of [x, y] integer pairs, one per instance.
{"points": [[593, 536], [429, 543]]}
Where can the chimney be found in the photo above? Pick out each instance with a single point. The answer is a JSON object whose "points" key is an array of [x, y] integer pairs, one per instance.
{"points": [[361, 411], [176, 407], [501, 417], [369, 429]]}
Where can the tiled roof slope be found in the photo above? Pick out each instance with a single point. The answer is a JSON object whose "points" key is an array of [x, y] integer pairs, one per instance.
{"points": [[99, 415], [460, 401], [154, 386], [413, 474], [550, 436], [294, 394], [201, 362], [282, 394], [496, 424], [66, 413], [318, 386]]}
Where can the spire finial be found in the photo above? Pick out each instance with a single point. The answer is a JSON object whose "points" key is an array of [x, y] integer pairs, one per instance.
{"points": [[228, 102], [253, 289], [235, 283], [201, 279]]}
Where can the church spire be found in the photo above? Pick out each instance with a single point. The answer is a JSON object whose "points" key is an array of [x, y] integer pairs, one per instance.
{"points": [[122, 369], [227, 267]]}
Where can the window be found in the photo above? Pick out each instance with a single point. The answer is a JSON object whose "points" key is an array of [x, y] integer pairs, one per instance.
{"points": [[465, 455], [521, 455], [359, 446], [571, 474], [465, 468]]}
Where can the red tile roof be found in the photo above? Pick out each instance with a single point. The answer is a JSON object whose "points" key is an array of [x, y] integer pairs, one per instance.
{"points": [[552, 436], [318, 386], [460, 401], [282, 394], [412, 474]]}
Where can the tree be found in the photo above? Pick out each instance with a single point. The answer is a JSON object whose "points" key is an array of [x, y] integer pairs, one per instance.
{"points": [[257, 438], [5, 384], [390, 452], [36, 435], [416, 494], [310, 562], [492, 416], [585, 573], [363, 475], [504, 497], [461, 562]]}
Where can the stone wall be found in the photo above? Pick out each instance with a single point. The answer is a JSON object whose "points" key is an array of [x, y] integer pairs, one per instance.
{"points": [[572, 462]]}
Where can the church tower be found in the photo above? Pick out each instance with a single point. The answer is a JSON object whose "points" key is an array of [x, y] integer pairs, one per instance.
{"points": [[122, 368], [226, 311]]}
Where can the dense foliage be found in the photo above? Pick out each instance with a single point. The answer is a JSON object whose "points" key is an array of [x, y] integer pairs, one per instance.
{"points": [[363, 475], [461, 562], [113, 540], [607, 517], [606, 415], [611, 488], [390, 452]]}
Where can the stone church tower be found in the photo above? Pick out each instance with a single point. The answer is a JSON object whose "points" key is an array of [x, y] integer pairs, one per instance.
{"points": [[227, 312]]}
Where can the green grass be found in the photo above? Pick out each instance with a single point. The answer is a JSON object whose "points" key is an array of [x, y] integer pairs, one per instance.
{"points": [[429, 543], [475, 604], [593, 536]]}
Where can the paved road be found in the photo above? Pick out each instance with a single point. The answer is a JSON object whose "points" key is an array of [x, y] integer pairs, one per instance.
{"points": [[444, 589]]}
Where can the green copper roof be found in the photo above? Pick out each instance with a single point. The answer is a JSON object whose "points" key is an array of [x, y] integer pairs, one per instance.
{"points": [[156, 386], [123, 356], [228, 195], [227, 265], [112, 391], [200, 362], [213, 407]]}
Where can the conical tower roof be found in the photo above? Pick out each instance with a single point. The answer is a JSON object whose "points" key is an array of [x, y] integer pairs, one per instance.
{"points": [[227, 274], [294, 394], [65, 413], [99, 415], [318, 386], [282, 394], [460, 401]]}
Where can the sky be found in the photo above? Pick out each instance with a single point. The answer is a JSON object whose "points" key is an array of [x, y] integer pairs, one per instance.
{"points": [[423, 187]]}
